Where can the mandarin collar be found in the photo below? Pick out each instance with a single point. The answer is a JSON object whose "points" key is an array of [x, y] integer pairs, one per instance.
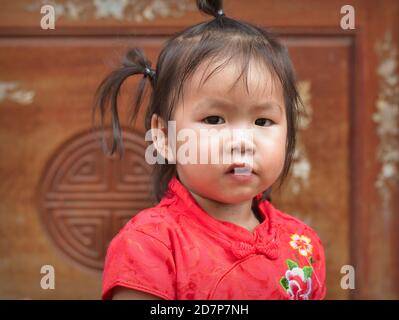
{"points": [[263, 239]]}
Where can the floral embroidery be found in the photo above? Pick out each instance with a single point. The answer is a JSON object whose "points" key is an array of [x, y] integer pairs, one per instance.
{"points": [[302, 244], [297, 281]]}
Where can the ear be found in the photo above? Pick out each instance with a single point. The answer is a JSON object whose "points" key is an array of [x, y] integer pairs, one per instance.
{"points": [[159, 132]]}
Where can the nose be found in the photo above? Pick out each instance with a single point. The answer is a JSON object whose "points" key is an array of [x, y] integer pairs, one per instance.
{"points": [[241, 147], [241, 144]]}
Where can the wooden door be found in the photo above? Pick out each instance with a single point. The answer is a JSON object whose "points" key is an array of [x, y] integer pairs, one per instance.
{"points": [[62, 200]]}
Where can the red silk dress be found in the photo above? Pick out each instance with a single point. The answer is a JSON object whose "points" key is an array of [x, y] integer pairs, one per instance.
{"points": [[175, 250]]}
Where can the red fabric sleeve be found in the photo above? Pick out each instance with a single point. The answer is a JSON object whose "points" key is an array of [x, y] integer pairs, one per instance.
{"points": [[138, 261], [320, 271]]}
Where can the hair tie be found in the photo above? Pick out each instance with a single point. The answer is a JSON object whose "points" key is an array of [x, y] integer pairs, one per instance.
{"points": [[220, 13], [149, 72]]}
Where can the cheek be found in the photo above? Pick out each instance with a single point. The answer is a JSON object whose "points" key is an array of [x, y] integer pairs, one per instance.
{"points": [[204, 145], [272, 148], [209, 144], [198, 178]]}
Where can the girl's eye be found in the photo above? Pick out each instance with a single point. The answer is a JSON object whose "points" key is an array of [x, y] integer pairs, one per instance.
{"points": [[213, 120], [264, 122]]}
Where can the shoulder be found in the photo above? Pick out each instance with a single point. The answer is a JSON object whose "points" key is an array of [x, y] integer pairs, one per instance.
{"points": [[152, 223], [291, 226], [140, 257]]}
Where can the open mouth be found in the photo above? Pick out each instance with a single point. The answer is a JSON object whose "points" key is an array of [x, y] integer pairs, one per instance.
{"points": [[242, 169]]}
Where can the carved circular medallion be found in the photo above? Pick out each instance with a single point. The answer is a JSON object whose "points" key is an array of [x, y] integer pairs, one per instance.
{"points": [[86, 197]]}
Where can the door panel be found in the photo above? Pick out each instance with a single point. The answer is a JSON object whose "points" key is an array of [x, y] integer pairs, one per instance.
{"points": [[63, 200]]}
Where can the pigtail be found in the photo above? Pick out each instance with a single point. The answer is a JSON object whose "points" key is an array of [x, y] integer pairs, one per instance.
{"points": [[107, 94], [211, 7]]}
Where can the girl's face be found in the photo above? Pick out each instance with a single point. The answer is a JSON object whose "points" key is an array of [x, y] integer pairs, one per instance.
{"points": [[255, 124]]}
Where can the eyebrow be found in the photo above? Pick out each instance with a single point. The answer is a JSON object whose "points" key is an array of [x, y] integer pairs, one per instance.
{"points": [[212, 102]]}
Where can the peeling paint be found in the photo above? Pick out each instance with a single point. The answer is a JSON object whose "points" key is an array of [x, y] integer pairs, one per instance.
{"points": [[69, 9], [300, 170], [387, 119], [128, 10], [304, 89], [110, 8], [301, 166], [72, 10], [12, 91]]}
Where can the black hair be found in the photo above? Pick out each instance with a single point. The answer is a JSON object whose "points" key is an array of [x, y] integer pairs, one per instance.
{"points": [[179, 58]]}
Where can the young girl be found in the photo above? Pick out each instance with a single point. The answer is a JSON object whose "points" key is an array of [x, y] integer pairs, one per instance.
{"points": [[214, 233]]}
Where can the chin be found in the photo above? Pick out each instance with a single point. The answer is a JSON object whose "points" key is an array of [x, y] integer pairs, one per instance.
{"points": [[235, 198]]}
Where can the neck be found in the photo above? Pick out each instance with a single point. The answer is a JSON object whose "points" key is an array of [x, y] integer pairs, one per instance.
{"points": [[240, 213]]}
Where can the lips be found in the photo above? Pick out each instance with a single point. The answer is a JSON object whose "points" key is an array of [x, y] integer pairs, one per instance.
{"points": [[240, 169]]}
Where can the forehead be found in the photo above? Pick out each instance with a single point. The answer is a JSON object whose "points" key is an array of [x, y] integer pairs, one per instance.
{"points": [[228, 79]]}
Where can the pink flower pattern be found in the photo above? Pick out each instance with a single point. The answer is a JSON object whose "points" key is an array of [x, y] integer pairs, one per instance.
{"points": [[297, 281]]}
